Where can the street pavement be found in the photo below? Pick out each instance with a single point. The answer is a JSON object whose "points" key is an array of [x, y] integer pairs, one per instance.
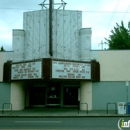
{"points": [[60, 123], [60, 119]]}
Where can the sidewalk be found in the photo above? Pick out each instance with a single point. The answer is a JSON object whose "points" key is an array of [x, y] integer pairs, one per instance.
{"points": [[58, 112]]}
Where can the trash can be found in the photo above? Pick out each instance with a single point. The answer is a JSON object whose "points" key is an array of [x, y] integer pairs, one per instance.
{"points": [[122, 108], [128, 107]]}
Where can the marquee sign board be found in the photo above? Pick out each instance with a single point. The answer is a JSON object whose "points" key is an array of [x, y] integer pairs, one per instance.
{"points": [[27, 70], [71, 70], [47, 69]]}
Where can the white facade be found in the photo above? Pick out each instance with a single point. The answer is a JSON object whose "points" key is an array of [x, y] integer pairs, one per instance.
{"points": [[68, 37], [18, 46], [85, 43]]}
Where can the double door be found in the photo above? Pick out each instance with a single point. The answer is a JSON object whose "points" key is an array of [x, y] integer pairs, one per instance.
{"points": [[52, 96]]}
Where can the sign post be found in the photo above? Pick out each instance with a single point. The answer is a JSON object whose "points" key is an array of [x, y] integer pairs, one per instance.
{"points": [[127, 84]]}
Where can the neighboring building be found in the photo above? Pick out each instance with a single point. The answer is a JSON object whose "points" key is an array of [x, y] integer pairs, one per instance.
{"points": [[62, 72], [5, 87], [114, 73]]}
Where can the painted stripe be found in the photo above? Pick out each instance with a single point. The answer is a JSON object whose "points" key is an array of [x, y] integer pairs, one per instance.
{"points": [[37, 121], [38, 129]]}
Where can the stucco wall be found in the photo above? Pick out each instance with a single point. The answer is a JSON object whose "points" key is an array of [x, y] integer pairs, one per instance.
{"points": [[114, 65], [17, 95], [104, 92], [86, 95], [2, 57], [4, 94], [114, 71]]}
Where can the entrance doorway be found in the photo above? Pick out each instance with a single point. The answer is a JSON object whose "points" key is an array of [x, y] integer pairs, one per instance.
{"points": [[37, 96], [70, 96], [53, 94]]}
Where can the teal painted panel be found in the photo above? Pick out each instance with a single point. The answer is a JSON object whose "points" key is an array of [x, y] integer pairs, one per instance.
{"points": [[5, 90], [104, 92]]}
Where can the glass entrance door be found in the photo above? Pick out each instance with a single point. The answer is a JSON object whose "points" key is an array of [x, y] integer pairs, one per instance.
{"points": [[70, 96], [53, 95], [37, 96]]}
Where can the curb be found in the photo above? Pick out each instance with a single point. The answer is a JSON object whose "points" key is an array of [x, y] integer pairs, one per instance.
{"points": [[60, 116]]}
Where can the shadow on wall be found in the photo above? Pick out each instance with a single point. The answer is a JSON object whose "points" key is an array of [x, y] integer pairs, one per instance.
{"points": [[104, 92]]}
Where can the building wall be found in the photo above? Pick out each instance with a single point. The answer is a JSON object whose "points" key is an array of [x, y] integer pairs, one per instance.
{"points": [[17, 95], [4, 87], [66, 41], [85, 44], [5, 95], [114, 72], [104, 92], [85, 95], [4, 56], [115, 65], [18, 44]]}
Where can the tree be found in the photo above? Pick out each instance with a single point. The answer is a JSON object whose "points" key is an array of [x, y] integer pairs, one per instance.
{"points": [[2, 49], [120, 38]]}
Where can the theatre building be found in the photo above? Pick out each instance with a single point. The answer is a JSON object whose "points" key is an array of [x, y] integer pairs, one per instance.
{"points": [[52, 65]]}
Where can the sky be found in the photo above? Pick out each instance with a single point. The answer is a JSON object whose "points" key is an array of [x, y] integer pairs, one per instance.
{"points": [[100, 15]]}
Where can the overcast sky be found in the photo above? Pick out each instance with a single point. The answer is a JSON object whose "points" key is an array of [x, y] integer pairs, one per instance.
{"points": [[100, 15]]}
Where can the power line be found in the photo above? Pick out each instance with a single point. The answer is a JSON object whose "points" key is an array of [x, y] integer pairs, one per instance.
{"points": [[126, 11], [109, 12], [4, 44], [116, 6], [85, 11], [7, 8]]}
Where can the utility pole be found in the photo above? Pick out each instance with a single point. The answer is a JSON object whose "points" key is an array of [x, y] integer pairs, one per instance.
{"points": [[101, 44], [51, 7], [50, 27]]}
